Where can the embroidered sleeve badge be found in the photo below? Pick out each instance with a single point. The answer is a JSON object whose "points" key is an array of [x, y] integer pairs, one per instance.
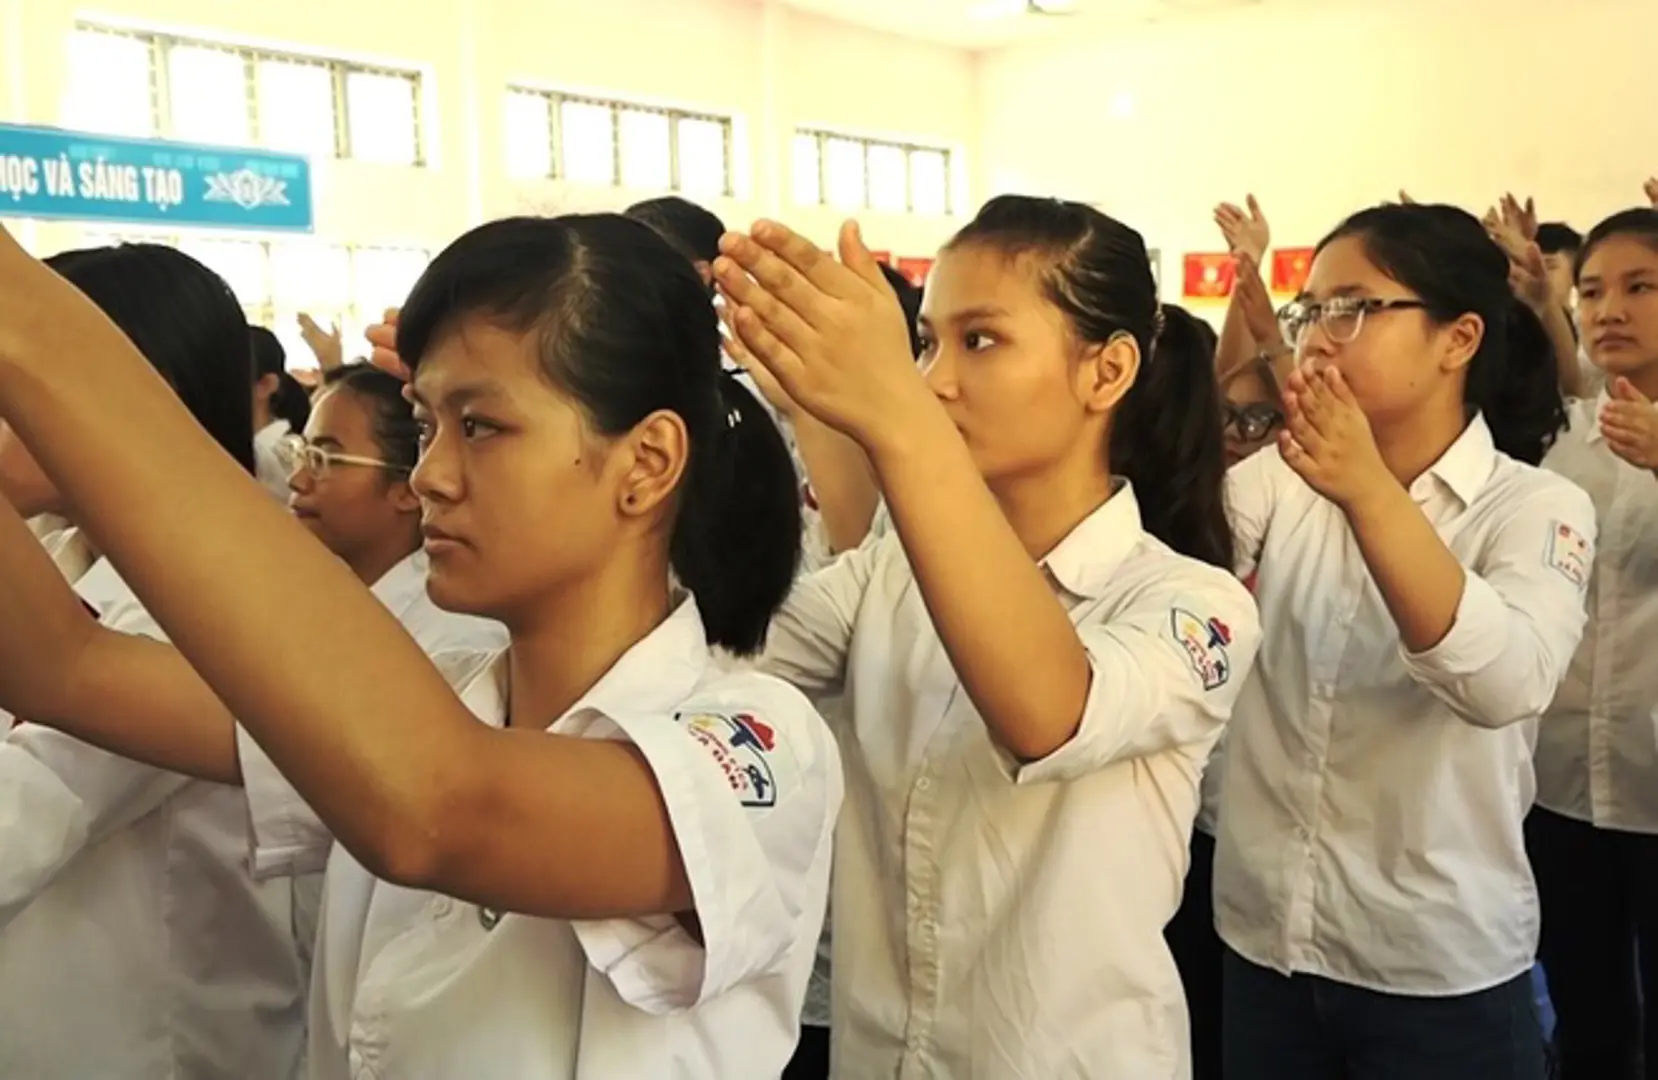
{"points": [[1205, 642], [1568, 552], [741, 745]]}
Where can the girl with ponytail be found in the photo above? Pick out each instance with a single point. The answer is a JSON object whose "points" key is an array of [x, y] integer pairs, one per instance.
{"points": [[1035, 661], [622, 870]]}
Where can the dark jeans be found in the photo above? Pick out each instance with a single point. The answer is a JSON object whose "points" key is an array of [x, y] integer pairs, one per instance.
{"points": [[811, 1055], [1303, 1027], [1599, 892], [1197, 953]]}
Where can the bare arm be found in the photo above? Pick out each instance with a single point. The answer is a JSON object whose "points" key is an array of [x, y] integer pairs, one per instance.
{"points": [[381, 748], [834, 337]]}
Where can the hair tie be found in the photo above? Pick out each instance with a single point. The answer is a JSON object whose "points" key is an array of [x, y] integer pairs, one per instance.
{"points": [[1158, 322], [731, 384]]}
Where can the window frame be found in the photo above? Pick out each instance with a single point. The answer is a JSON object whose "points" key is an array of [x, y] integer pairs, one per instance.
{"points": [[161, 43], [821, 137], [616, 106]]}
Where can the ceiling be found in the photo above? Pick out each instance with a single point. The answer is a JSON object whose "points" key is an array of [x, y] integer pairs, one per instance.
{"points": [[981, 24]]}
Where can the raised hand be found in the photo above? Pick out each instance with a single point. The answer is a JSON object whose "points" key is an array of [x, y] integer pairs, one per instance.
{"points": [[764, 381], [1327, 438], [383, 336], [1522, 217], [1651, 189], [1247, 232], [326, 345], [831, 332], [1630, 424]]}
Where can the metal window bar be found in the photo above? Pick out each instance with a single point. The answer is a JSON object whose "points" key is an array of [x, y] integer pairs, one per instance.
{"points": [[615, 107], [161, 98], [910, 149]]}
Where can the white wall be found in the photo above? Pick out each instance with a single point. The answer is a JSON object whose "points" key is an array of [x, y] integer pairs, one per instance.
{"points": [[1322, 108], [768, 66]]}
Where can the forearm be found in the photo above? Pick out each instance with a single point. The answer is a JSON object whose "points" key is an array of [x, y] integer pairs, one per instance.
{"points": [[42, 622], [1010, 641], [362, 742], [1236, 347], [1420, 580], [841, 479]]}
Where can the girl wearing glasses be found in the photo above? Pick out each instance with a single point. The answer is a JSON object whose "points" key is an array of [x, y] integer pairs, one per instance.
{"points": [[1421, 586], [1593, 835], [1034, 662], [620, 871]]}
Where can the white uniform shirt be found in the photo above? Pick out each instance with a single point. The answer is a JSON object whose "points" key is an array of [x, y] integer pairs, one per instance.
{"points": [[1370, 827], [999, 921], [66, 545], [267, 463], [413, 986], [1597, 747], [133, 943]]}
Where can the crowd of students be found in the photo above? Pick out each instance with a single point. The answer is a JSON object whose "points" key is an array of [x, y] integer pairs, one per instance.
{"points": [[1153, 703]]}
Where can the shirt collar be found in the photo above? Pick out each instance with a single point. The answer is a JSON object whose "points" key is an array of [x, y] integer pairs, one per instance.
{"points": [[1594, 434], [403, 585], [656, 676], [1464, 467], [1084, 561]]}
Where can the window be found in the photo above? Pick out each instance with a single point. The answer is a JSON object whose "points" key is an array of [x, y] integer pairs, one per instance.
{"points": [[131, 82], [275, 280], [852, 173], [617, 144]]}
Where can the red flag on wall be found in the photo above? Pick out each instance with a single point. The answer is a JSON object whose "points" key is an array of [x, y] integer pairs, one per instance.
{"points": [[1209, 275], [883, 257], [1289, 269]]}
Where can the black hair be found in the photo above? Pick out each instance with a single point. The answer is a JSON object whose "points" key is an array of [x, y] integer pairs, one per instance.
{"points": [[1164, 434], [623, 326], [692, 230], [1444, 256], [1557, 238], [909, 298], [396, 433], [187, 323], [291, 402], [1640, 223]]}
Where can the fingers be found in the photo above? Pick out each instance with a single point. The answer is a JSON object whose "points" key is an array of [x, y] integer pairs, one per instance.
{"points": [[383, 338], [1339, 390], [782, 318], [1254, 208], [1624, 390], [746, 266], [767, 348], [856, 256], [805, 258], [1297, 424]]}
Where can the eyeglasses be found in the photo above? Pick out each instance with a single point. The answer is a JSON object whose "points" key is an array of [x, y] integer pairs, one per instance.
{"points": [[295, 454], [1341, 317], [1252, 422]]}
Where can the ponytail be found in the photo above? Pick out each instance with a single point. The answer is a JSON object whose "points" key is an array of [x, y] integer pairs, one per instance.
{"points": [[1514, 381], [1166, 438], [736, 542]]}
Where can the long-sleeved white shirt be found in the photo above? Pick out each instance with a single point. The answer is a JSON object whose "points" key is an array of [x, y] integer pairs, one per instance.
{"points": [[1597, 747], [995, 920], [1370, 823]]}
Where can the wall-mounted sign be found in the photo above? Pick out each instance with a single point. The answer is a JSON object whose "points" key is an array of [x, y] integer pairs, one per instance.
{"points": [[50, 173], [916, 270]]}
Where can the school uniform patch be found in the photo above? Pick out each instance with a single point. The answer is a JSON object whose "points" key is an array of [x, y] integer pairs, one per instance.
{"points": [[741, 745], [1568, 552], [1205, 642]]}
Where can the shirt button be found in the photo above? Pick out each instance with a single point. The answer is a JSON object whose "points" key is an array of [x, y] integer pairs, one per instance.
{"points": [[923, 784], [442, 906]]}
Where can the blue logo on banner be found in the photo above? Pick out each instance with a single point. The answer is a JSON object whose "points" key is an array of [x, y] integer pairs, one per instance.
{"points": [[48, 173]]}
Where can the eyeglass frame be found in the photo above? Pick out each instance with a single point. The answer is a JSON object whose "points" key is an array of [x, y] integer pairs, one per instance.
{"points": [[296, 452], [1295, 324], [1241, 417]]}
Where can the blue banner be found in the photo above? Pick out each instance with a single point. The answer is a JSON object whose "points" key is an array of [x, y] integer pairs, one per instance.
{"points": [[49, 173]]}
